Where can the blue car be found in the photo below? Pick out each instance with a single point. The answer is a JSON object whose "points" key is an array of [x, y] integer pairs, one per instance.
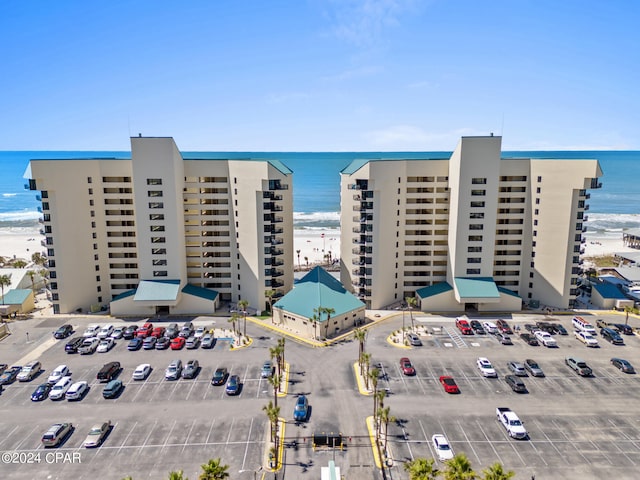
{"points": [[233, 385], [301, 410], [135, 343], [41, 393]]}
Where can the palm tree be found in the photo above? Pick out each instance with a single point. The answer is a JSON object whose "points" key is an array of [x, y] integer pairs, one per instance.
{"points": [[234, 318], [273, 413], [411, 303], [298, 252], [281, 342], [242, 305], [422, 469], [179, 475], [366, 361], [329, 311], [360, 335], [269, 294], [214, 470], [20, 263], [306, 259], [385, 417], [32, 274], [373, 376], [627, 309], [459, 468], [38, 259], [5, 281], [316, 320], [496, 472]]}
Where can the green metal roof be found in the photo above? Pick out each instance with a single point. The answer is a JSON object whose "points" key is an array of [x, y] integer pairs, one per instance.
{"points": [[157, 290], [508, 292], [126, 294], [318, 289], [17, 296], [477, 287], [434, 290], [199, 292]]}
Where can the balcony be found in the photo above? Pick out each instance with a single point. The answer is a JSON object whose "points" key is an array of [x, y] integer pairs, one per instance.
{"points": [[357, 261], [43, 243], [273, 219], [276, 262], [276, 252], [273, 283], [274, 272], [40, 220]]}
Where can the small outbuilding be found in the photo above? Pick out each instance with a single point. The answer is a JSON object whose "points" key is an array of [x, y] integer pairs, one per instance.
{"points": [[17, 301], [319, 306], [607, 295]]}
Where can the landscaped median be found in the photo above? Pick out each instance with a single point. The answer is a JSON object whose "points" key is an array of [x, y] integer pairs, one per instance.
{"points": [[377, 449], [362, 388]]}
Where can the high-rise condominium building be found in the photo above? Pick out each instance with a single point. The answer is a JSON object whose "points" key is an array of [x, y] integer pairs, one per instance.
{"points": [[472, 232], [158, 233]]}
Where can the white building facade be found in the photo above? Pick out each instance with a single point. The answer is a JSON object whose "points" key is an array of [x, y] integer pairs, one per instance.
{"points": [[215, 226], [496, 231]]}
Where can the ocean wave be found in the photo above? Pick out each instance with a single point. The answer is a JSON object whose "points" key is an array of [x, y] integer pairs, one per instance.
{"points": [[318, 220], [20, 216], [612, 223], [8, 195]]}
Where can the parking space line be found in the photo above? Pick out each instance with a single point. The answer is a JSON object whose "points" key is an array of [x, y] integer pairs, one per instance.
{"points": [[193, 384], [166, 441], [210, 430], [552, 443], [148, 436], [186, 441], [246, 448], [494, 448], [6, 437], [468, 441], [17, 447], [230, 430], [571, 442], [627, 437]]}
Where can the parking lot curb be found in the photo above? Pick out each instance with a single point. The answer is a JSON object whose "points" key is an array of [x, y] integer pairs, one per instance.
{"points": [[283, 392], [359, 381], [246, 345], [372, 438], [397, 344], [267, 457]]}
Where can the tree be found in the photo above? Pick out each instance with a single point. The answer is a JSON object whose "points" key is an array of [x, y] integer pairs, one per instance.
{"points": [[496, 472], [20, 263], [5, 281], [316, 320], [242, 305], [329, 311], [274, 381], [298, 252], [179, 475], [269, 294], [459, 468], [38, 259], [306, 259], [373, 376], [32, 274], [214, 470], [421, 469], [627, 309], [234, 318], [411, 303], [281, 343], [385, 417], [360, 334]]}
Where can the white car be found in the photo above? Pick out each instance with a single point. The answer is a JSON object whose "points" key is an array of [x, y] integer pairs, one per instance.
{"points": [[91, 331], [200, 331], [442, 447], [105, 345], [142, 371], [545, 338], [59, 390], [117, 333], [59, 372], [105, 331], [485, 367], [77, 391], [490, 327], [587, 339], [89, 346]]}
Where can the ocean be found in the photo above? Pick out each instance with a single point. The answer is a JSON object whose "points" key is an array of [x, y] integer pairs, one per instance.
{"points": [[316, 183]]}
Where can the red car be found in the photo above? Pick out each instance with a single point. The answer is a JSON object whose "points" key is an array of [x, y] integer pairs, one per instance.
{"points": [[407, 368], [504, 327], [464, 326], [177, 343], [158, 332], [449, 384], [145, 330]]}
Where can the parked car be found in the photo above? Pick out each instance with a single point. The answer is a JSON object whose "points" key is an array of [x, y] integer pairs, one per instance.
{"points": [[233, 385], [158, 332], [89, 346], [545, 339], [477, 328], [108, 371], [192, 343], [10, 375], [529, 339], [29, 371], [59, 390], [504, 339], [267, 369], [533, 368], [187, 330], [73, 345], [63, 332], [414, 339], [174, 370], [105, 345], [515, 383], [112, 389], [135, 344], [129, 332], [208, 341], [449, 384], [587, 339], [105, 331], [77, 391], [611, 336], [490, 327], [200, 331], [56, 434], [41, 392], [142, 371], [559, 329], [601, 323], [406, 367], [118, 333], [91, 331], [97, 434], [219, 376], [485, 367], [442, 447], [145, 330], [177, 343], [517, 368], [463, 326], [623, 365], [149, 343], [622, 328], [163, 343], [58, 372], [191, 369], [530, 327], [172, 331], [504, 327], [579, 366], [301, 409]]}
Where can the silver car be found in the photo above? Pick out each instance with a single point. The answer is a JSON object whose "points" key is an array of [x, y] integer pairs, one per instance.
{"points": [[29, 371], [533, 368], [174, 370], [517, 368]]}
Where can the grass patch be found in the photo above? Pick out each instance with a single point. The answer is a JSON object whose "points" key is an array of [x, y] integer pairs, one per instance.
{"points": [[603, 261]]}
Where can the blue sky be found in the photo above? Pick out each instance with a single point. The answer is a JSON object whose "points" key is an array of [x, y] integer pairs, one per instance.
{"points": [[319, 75]]}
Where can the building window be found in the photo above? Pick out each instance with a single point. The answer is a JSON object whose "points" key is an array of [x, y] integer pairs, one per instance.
{"points": [[476, 215], [159, 273], [97, 268], [154, 181], [477, 204], [475, 238], [97, 278], [154, 205], [45, 205], [55, 296], [158, 239], [156, 216], [54, 285], [94, 235], [91, 191], [538, 190], [154, 193], [51, 252], [95, 246], [93, 224], [89, 180], [53, 274], [474, 249], [93, 213], [159, 262], [91, 202], [476, 226], [474, 260], [539, 179], [478, 181], [158, 251], [473, 271], [535, 222], [157, 228], [99, 298], [478, 193], [95, 257]]}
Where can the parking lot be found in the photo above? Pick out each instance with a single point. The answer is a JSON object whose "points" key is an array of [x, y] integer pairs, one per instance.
{"points": [[579, 427]]}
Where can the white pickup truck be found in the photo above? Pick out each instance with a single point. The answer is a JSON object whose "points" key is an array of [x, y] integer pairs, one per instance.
{"points": [[511, 423]]}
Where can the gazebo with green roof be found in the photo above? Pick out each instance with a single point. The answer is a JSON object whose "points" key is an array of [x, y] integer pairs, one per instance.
{"points": [[318, 306]]}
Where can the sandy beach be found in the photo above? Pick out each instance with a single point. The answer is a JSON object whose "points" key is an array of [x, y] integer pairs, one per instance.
{"points": [[314, 245], [20, 244]]}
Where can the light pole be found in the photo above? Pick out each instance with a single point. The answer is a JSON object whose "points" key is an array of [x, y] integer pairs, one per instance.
{"points": [[402, 323]]}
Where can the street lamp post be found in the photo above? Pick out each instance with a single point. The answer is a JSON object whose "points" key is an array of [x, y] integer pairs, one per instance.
{"points": [[403, 323]]}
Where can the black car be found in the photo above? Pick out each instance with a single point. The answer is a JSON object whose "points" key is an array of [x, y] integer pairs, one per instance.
{"points": [[73, 345], [559, 329], [108, 371], [9, 375], [41, 393], [476, 326], [530, 339], [63, 332], [219, 376], [129, 332], [135, 344], [163, 343], [546, 327], [515, 383], [612, 336], [622, 328], [529, 327], [623, 365]]}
